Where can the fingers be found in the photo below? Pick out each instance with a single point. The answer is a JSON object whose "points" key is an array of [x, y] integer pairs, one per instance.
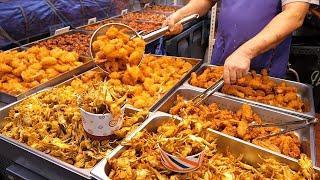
{"points": [[174, 28], [226, 76]]}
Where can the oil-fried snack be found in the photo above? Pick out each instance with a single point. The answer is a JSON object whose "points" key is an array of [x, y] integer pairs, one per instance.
{"points": [[77, 42], [262, 89], [237, 125], [115, 50], [142, 159], [146, 27], [152, 79], [163, 8], [207, 78], [144, 16], [50, 121], [21, 71]]}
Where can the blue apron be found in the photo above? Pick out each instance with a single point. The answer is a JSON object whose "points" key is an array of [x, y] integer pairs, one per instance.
{"points": [[239, 21]]}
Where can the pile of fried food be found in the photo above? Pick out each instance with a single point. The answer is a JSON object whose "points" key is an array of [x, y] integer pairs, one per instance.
{"points": [[144, 16], [50, 122], [141, 159], [163, 8], [21, 71], [146, 27], [101, 99], [77, 42], [238, 125], [151, 80], [207, 78], [116, 50], [265, 90]]}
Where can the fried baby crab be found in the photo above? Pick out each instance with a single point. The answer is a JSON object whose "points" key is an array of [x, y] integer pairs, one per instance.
{"points": [[50, 122], [115, 50], [265, 90], [237, 124], [142, 160]]}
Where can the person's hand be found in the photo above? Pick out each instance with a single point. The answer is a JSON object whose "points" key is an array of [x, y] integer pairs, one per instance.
{"points": [[172, 21], [236, 66]]}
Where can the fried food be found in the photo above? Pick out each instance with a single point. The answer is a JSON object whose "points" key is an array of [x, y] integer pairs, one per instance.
{"points": [[115, 50], [144, 16], [207, 78], [237, 125], [142, 160], [50, 122], [21, 71], [151, 80], [77, 42], [262, 89], [163, 8]]}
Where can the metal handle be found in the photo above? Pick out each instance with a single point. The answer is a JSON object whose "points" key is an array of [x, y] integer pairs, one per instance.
{"points": [[163, 30]]}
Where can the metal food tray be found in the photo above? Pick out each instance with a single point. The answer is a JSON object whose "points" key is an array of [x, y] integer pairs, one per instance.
{"points": [[9, 98], [306, 135], [252, 154], [198, 72], [40, 162], [304, 91]]}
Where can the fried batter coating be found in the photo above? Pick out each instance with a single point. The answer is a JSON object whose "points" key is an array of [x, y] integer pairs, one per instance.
{"points": [[207, 78], [50, 121], [32, 67], [237, 125], [262, 89]]}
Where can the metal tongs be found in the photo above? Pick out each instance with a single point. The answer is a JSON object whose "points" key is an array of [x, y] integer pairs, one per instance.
{"points": [[208, 92], [304, 123]]}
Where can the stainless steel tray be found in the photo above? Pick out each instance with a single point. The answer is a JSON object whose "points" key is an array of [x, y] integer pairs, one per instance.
{"points": [[37, 161], [252, 154], [198, 72], [306, 135], [304, 91], [8, 98]]}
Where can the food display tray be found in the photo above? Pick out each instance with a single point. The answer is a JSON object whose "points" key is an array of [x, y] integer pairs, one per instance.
{"points": [[251, 153], [40, 162], [304, 91], [198, 72], [195, 64], [306, 135]]}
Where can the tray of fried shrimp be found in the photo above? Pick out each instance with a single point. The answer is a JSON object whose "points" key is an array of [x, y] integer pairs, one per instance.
{"points": [[234, 117], [139, 155], [279, 94], [47, 128], [24, 72]]}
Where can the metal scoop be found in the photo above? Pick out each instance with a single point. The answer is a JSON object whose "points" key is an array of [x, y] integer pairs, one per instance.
{"points": [[132, 33]]}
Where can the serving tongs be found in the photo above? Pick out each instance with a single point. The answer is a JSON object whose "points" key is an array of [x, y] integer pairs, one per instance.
{"points": [[132, 33], [208, 92], [303, 124]]}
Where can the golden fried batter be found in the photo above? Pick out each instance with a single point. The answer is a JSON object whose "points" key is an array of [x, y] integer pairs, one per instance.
{"points": [[262, 89], [207, 78]]}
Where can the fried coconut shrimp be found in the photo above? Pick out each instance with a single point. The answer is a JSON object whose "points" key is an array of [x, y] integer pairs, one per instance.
{"points": [[207, 78], [262, 89], [115, 50], [142, 160], [237, 125], [21, 71], [50, 122]]}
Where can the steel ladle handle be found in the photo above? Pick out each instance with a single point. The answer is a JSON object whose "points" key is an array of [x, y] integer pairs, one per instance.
{"points": [[155, 34]]}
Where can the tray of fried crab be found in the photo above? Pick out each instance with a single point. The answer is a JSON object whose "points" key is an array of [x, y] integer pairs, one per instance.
{"points": [[259, 89], [162, 146]]}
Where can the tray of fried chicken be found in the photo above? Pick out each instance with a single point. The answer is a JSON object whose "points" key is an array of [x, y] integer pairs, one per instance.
{"points": [[283, 95], [162, 8], [234, 118], [140, 155], [48, 124], [29, 70]]}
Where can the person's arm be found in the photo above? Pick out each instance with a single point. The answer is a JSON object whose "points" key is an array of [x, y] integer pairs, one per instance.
{"points": [[281, 26], [200, 7]]}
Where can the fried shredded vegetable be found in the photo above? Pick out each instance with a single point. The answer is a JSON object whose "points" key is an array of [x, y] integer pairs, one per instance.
{"points": [[237, 125], [50, 121], [141, 159], [265, 90]]}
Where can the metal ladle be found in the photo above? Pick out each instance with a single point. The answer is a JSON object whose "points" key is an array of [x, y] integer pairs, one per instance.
{"points": [[132, 33]]}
